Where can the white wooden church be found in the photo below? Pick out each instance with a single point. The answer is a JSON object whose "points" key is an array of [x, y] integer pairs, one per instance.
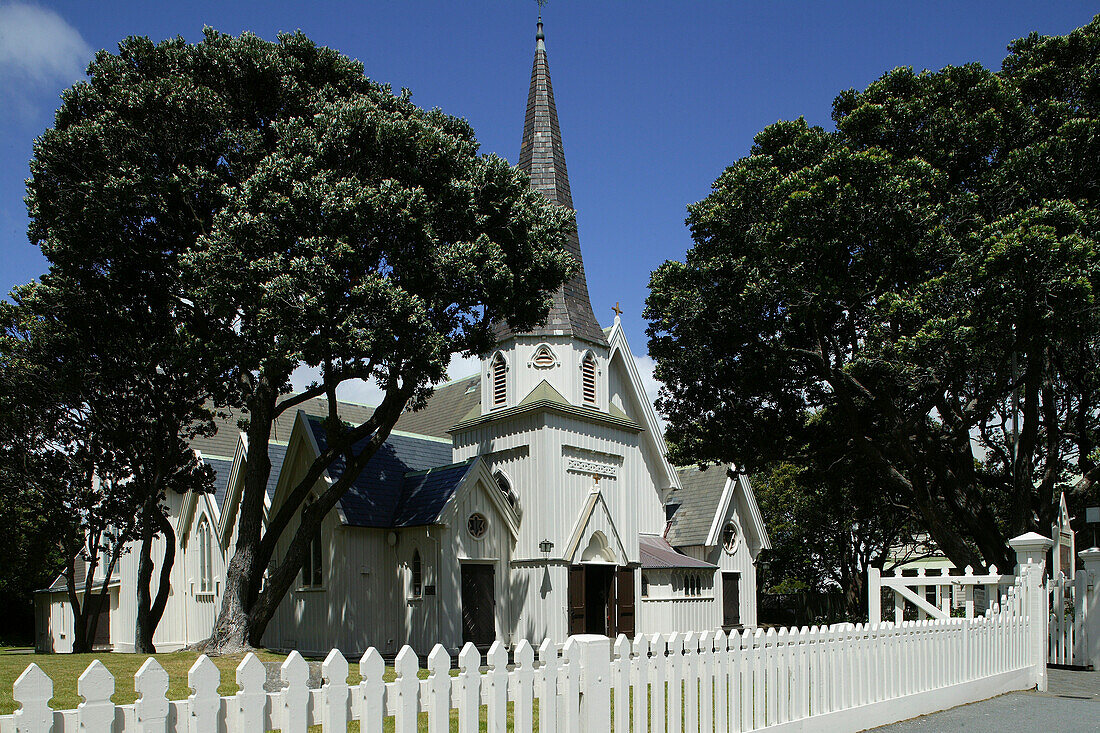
{"points": [[531, 500]]}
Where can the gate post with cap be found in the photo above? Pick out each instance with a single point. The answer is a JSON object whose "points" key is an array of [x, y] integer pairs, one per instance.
{"points": [[1031, 555], [1091, 605], [595, 656]]}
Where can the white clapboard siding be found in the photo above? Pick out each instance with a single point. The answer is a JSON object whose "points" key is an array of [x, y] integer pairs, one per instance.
{"points": [[839, 678]]}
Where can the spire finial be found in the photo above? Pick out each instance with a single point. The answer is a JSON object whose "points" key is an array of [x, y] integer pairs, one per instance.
{"points": [[539, 35]]}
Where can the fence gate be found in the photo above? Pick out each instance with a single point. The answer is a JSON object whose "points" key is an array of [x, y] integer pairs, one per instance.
{"points": [[1068, 628]]}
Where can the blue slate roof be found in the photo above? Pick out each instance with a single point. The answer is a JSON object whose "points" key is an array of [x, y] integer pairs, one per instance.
{"points": [[222, 469], [397, 489], [276, 453]]}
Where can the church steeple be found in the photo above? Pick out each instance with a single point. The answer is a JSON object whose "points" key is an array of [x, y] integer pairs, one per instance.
{"points": [[542, 157]]}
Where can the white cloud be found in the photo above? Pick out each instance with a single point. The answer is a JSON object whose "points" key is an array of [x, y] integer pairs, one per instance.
{"points": [[369, 393], [39, 52], [646, 365]]}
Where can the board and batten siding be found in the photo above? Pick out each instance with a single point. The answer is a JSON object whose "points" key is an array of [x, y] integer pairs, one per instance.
{"points": [[666, 608]]}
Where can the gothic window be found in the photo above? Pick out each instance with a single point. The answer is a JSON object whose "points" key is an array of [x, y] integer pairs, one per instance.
{"points": [[499, 374], [588, 379], [544, 357], [477, 525], [206, 564], [645, 585], [729, 537], [311, 568], [417, 575], [506, 489]]}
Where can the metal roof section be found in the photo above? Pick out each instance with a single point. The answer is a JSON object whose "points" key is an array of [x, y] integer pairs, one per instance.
{"points": [[656, 553]]}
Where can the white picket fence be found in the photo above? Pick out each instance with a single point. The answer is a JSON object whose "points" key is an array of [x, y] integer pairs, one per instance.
{"points": [[1069, 620], [840, 678], [936, 595]]}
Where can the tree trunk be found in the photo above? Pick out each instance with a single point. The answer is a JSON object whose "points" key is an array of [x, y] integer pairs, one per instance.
{"points": [[143, 635], [242, 577]]}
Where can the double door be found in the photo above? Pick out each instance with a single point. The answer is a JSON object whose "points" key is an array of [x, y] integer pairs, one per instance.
{"points": [[601, 600]]}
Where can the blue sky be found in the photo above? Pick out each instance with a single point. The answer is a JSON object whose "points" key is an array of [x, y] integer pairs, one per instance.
{"points": [[655, 98]]}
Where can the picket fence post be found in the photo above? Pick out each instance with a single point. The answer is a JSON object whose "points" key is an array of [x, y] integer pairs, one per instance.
{"points": [[250, 701], [334, 714], [469, 688], [406, 687], [548, 687], [639, 677], [439, 691], [372, 691], [523, 688], [203, 703], [33, 690], [620, 676], [151, 707]]}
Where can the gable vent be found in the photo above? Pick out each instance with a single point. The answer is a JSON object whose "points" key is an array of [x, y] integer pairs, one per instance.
{"points": [[500, 383], [588, 379], [544, 358]]}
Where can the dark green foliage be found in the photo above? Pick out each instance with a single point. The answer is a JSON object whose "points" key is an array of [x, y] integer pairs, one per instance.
{"points": [[270, 206], [922, 281]]}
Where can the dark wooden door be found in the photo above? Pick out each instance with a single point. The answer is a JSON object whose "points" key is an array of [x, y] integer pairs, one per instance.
{"points": [[478, 604], [731, 599], [624, 603], [102, 638], [576, 600]]}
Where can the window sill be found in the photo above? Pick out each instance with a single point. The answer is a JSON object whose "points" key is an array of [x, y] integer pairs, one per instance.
{"points": [[414, 599], [205, 594], [311, 589]]}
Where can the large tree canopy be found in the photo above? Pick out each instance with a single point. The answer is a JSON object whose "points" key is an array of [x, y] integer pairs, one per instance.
{"points": [[286, 210], [923, 279]]}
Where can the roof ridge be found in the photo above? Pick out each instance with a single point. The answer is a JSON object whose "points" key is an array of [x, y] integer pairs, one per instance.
{"points": [[426, 471]]}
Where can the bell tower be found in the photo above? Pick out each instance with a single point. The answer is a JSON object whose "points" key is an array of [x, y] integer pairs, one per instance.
{"points": [[568, 353]]}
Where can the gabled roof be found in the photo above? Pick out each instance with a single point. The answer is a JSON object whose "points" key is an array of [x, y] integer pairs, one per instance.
{"points": [[545, 397], [655, 552], [699, 498], [222, 468], [425, 493], [449, 404], [542, 157], [705, 499], [379, 496], [653, 433]]}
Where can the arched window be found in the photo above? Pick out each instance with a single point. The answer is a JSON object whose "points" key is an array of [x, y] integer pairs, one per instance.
{"points": [[729, 537], [588, 379], [206, 557], [645, 585], [499, 374], [417, 575], [311, 568], [506, 488]]}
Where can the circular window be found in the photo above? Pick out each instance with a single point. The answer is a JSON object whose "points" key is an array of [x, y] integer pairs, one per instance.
{"points": [[729, 537], [477, 525]]}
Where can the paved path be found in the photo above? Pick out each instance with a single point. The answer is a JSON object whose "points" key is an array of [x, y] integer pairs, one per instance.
{"points": [[1071, 704]]}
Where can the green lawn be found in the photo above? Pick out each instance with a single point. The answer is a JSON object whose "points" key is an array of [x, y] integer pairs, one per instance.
{"points": [[64, 669]]}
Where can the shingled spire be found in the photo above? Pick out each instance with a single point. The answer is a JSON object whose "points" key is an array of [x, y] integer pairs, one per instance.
{"points": [[542, 157]]}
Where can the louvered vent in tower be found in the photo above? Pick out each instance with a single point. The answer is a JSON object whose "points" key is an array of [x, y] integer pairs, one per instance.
{"points": [[500, 381], [588, 379]]}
